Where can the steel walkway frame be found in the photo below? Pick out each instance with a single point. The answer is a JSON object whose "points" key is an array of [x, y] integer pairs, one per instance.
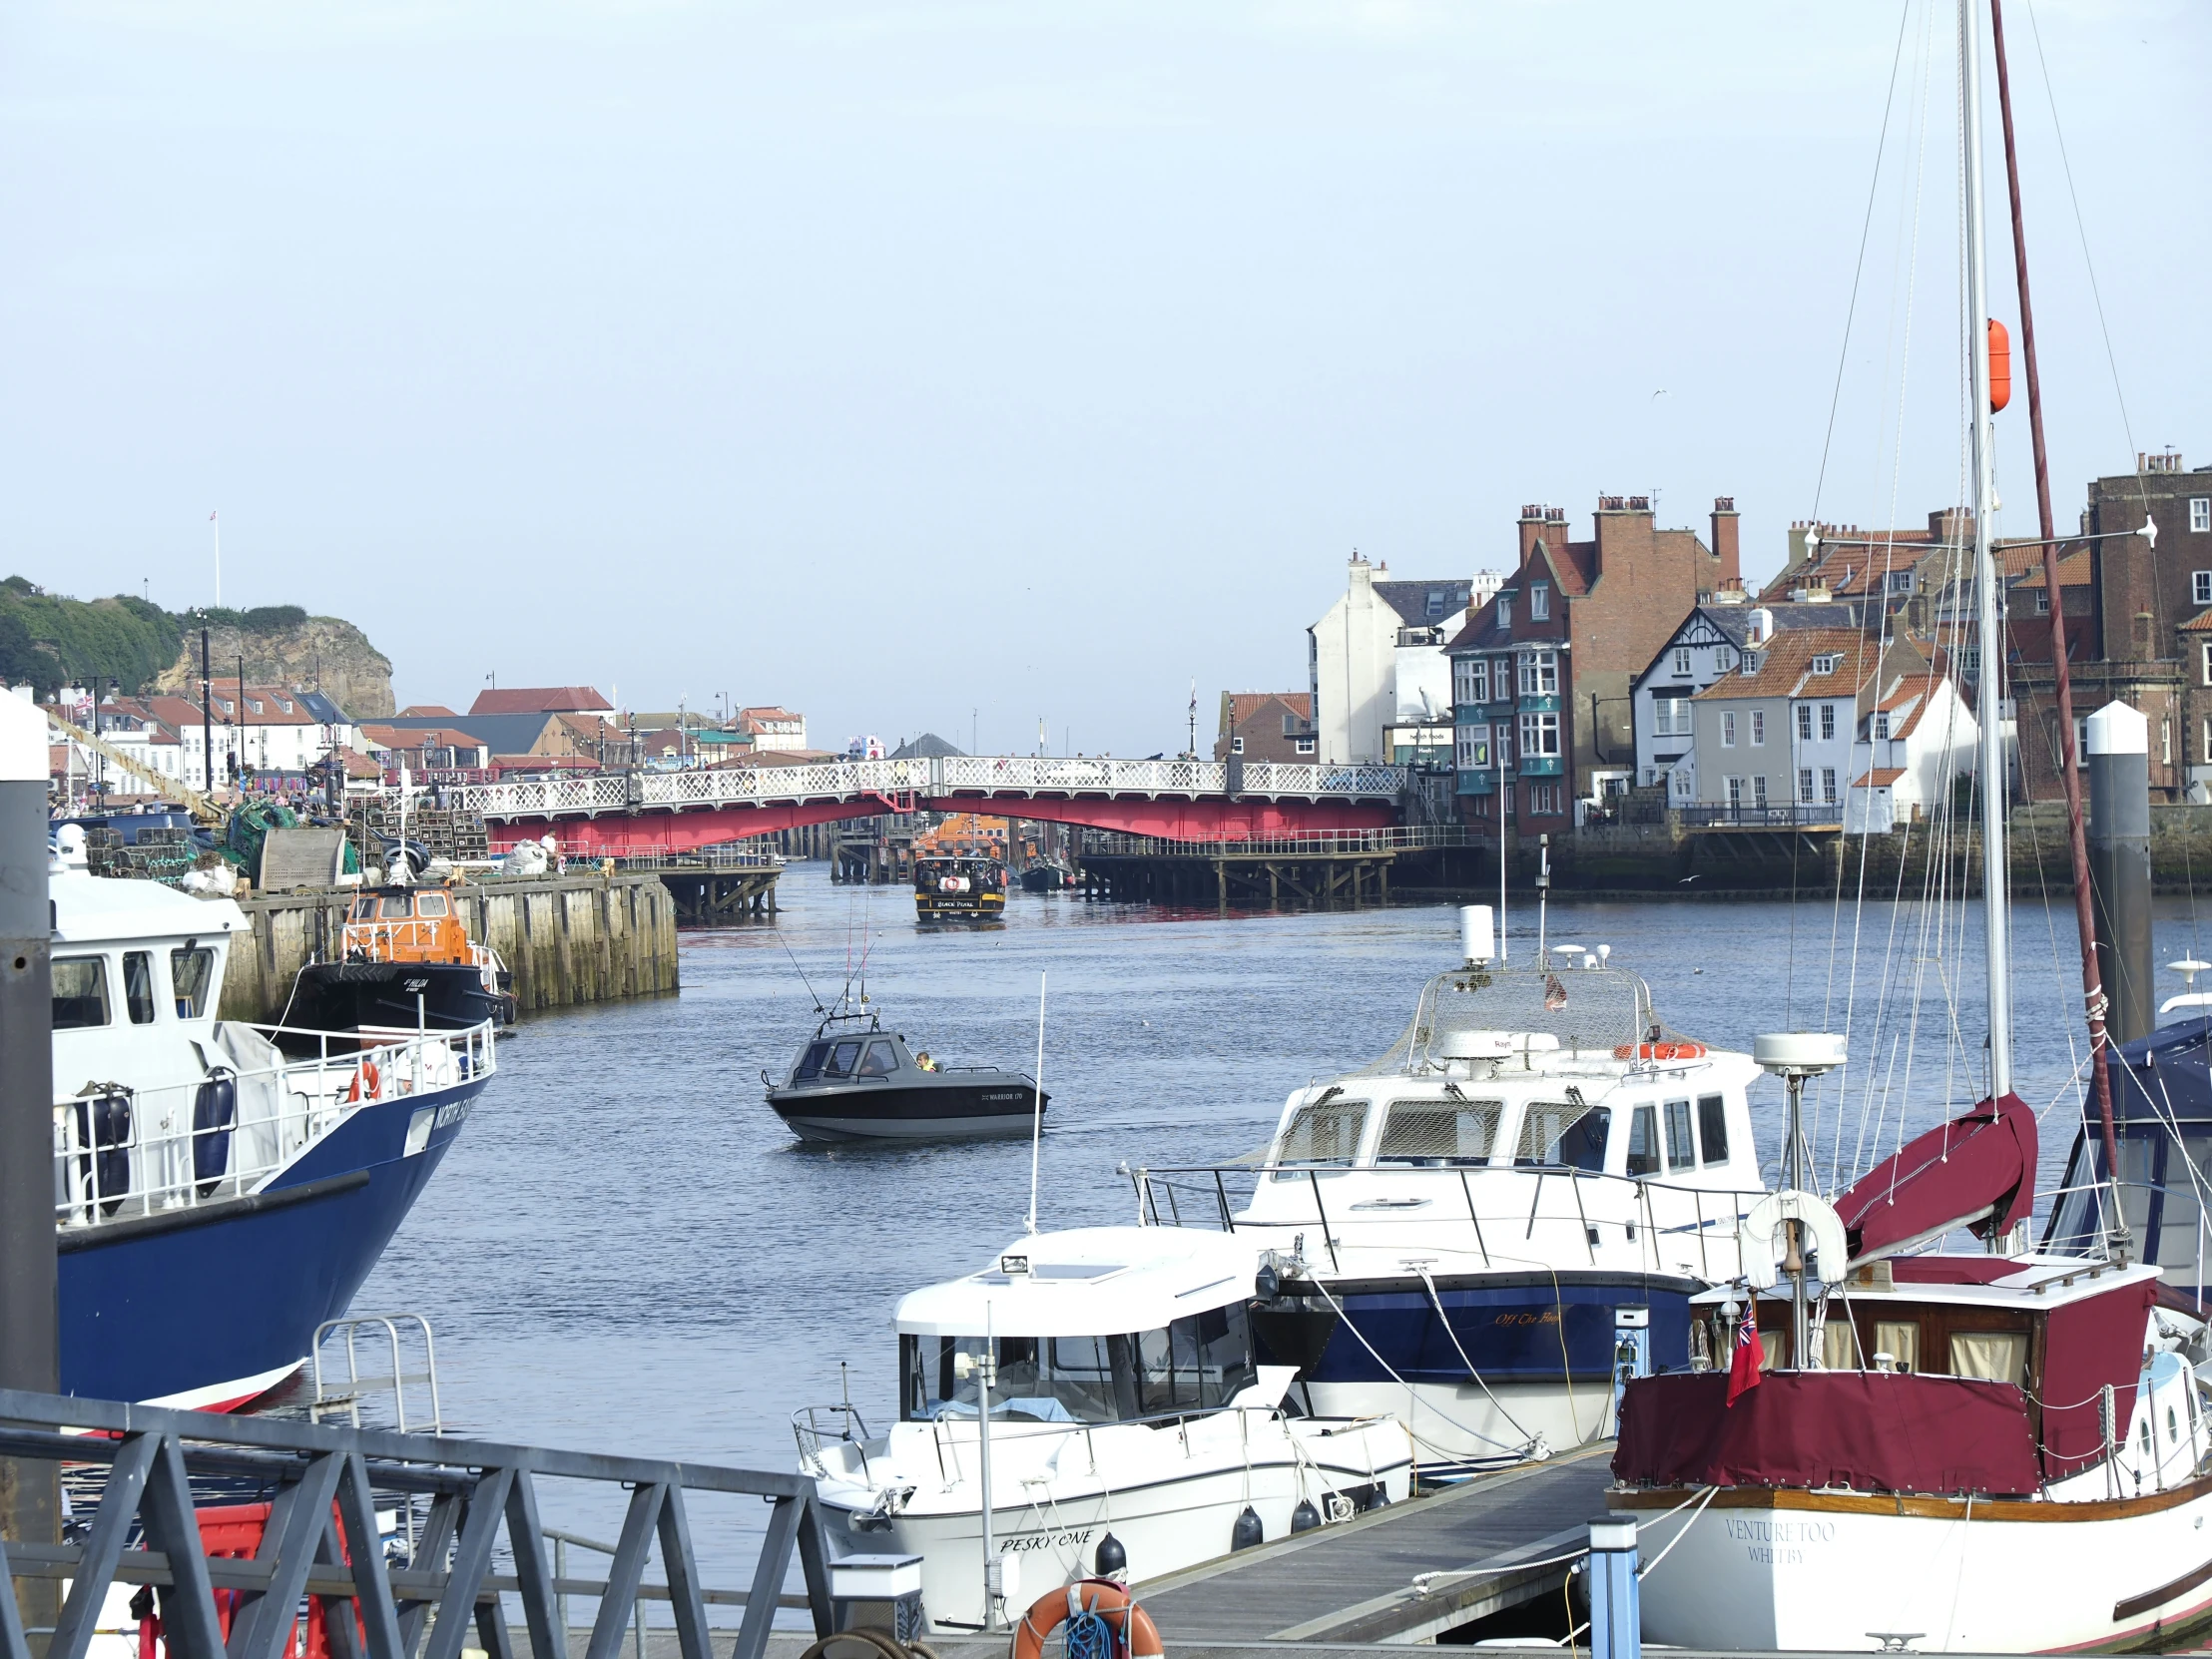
{"points": [[325, 1475]]}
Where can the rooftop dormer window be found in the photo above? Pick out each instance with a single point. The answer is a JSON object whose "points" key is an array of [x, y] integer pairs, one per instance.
{"points": [[1826, 663], [1506, 613], [1539, 602]]}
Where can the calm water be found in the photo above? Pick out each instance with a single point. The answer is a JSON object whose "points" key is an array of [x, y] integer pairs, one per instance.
{"points": [[626, 1250]]}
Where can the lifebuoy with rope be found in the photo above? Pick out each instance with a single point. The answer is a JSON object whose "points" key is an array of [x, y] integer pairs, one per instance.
{"points": [[367, 1082], [1135, 1635], [1660, 1051]]}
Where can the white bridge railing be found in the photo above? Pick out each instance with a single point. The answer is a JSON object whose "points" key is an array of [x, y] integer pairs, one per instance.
{"points": [[998, 776]]}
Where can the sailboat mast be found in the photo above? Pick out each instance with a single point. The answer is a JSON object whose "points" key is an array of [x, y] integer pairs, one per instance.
{"points": [[1989, 700]]}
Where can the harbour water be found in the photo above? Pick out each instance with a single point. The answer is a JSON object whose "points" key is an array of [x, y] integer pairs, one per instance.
{"points": [[627, 1251]]}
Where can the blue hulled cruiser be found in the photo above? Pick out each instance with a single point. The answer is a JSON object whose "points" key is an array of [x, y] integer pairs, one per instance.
{"points": [[215, 1201]]}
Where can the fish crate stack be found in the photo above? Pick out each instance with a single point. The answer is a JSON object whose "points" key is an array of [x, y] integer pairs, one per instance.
{"points": [[161, 854], [444, 832]]}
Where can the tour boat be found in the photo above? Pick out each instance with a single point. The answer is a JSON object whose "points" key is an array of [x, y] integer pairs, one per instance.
{"points": [[215, 1201], [855, 1081], [959, 889], [404, 962], [1089, 1401], [1914, 1445], [1478, 1228]]}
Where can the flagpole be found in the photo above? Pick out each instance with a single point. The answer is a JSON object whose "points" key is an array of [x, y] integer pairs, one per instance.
{"points": [[217, 523]]}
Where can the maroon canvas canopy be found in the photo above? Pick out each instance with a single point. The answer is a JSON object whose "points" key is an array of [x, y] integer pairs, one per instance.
{"points": [[1878, 1431], [1978, 1169]]}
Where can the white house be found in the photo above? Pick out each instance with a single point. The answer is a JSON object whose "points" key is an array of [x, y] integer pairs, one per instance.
{"points": [[773, 729], [1381, 681], [1917, 737]]}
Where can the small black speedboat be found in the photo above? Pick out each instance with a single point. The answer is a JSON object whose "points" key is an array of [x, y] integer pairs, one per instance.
{"points": [[855, 1081], [1046, 876]]}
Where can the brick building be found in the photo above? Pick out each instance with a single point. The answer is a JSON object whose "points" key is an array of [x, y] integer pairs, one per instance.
{"points": [[1541, 673], [1265, 725], [2138, 623]]}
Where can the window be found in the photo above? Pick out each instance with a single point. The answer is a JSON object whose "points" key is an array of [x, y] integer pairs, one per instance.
{"points": [[1826, 663], [1474, 749], [2200, 514], [1751, 664], [1236, 746], [1473, 676], [2204, 664], [1643, 1141], [1828, 785], [1900, 581], [1564, 1136], [1901, 1340], [1759, 791], [1306, 745], [430, 904], [1735, 791], [1994, 1357], [1670, 717], [1540, 736], [2166, 742], [80, 993], [879, 1060], [2081, 737], [1682, 658], [138, 985], [1804, 785], [1539, 602], [842, 1058], [1436, 600], [1503, 733], [192, 981], [1828, 723], [1970, 658], [1712, 1128], [1543, 799], [1505, 612], [1501, 679], [2200, 587], [1758, 727], [2042, 602], [1727, 729], [1724, 659], [1435, 1133], [1804, 721], [1324, 1133], [1681, 1150], [1539, 674], [1879, 727]]}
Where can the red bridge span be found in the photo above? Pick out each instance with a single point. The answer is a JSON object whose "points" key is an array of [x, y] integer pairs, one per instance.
{"points": [[612, 813]]}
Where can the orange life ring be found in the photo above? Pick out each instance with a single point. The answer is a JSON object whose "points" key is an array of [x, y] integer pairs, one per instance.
{"points": [[1135, 1631], [1660, 1051], [366, 1083]]}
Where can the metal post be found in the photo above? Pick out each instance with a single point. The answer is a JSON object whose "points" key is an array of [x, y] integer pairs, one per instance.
{"points": [[30, 1343], [1793, 1163], [2119, 863], [1616, 1630], [986, 1372], [207, 717]]}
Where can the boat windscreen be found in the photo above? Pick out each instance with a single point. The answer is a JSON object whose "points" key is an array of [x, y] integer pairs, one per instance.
{"points": [[1554, 1133], [1196, 1364], [1323, 1134]]}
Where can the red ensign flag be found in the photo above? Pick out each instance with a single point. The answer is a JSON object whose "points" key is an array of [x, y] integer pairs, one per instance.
{"points": [[1743, 1365]]}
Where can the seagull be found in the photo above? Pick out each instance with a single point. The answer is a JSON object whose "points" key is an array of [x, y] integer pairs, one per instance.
{"points": [[1661, 392], [1686, 881]]}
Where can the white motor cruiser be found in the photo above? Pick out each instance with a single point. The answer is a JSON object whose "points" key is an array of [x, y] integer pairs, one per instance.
{"points": [[1089, 1402], [1480, 1228]]}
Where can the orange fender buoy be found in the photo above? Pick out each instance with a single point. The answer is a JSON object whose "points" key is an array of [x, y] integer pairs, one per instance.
{"points": [[1132, 1625], [2001, 367], [1660, 1051], [366, 1083]]}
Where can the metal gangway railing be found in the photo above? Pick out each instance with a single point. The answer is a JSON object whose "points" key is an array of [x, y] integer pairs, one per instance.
{"points": [[325, 1483], [112, 1162]]}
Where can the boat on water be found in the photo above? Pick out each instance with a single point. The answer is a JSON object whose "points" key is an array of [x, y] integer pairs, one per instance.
{"points": [[1047, 876], [960, 887], [404, 962], [1098, 1389], [216, 1199], [1930, 1434], [1532, 1183], [855, 1081]]}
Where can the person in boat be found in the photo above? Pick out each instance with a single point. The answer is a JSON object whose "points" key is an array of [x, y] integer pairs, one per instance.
{"points": [[925, 1061]]}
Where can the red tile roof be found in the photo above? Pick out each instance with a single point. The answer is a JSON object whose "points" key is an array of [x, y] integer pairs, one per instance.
{"points": [[1880, 777], [538, 700]]}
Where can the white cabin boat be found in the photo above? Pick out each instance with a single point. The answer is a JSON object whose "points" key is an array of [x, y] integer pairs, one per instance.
{"points": [[1127, 1402]]}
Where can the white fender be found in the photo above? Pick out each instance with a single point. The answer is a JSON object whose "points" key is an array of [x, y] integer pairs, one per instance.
{"points": [[1764, 1244]]}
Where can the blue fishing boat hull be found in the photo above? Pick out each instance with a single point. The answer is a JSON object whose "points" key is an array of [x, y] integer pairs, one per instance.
{"points": [[209, 1306]]}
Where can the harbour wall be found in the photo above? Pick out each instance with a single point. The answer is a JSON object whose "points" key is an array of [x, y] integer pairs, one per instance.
{"points": [[1663, 858], [567, 940]]}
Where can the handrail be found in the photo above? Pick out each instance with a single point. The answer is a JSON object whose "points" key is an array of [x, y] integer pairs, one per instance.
{"points": [[327, 1481], [164, 1172], [957, 776]]}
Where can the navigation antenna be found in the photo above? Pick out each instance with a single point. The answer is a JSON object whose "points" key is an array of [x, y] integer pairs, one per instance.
{"points": [[1036, 1116]]}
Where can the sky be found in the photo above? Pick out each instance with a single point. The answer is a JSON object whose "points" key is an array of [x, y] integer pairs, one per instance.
{"points": [[970, 364]]}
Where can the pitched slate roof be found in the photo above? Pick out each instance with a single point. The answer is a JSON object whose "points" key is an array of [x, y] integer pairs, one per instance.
{"points": [[1426, 604]]}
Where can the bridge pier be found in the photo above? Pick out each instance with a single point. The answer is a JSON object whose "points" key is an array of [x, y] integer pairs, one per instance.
{"points": [[1228, 879]]}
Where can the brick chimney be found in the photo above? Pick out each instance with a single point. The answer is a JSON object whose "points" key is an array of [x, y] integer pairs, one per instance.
{"points": [[1531, 529], [1725, 546]]}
